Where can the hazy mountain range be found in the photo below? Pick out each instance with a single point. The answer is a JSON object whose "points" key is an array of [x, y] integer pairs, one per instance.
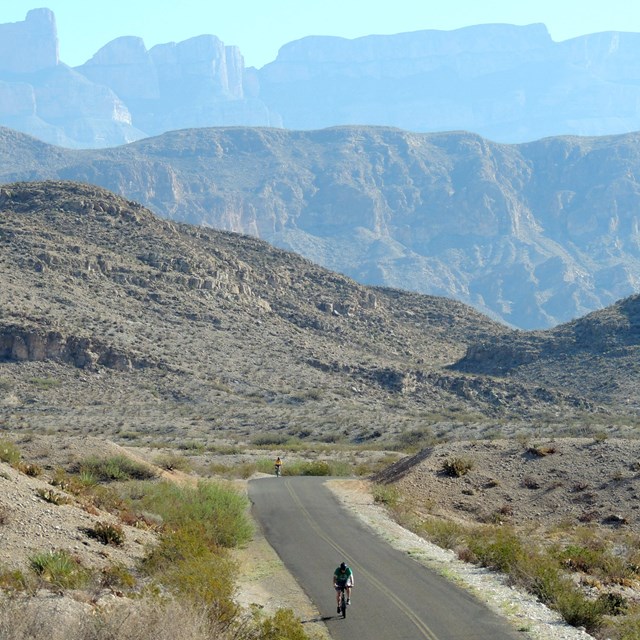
{"points": [[506, 83], [532, 234]]}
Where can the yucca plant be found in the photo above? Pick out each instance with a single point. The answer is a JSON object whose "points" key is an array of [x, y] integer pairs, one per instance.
{"points": [[59, 569]]}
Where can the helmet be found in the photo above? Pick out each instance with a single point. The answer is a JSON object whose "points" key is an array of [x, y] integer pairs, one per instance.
{"points": [[343, 565]]}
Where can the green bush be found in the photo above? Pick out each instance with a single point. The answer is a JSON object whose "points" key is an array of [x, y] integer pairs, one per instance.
{"points": [[315, 468], [59, 570], [627, 628], [578, 610], [282, 626], [14, 580], [597, 560], [218, 508], [173, 462], [540, 575], [497, 548], [265, 465], [116, 468], [187, 564], [386, 494], [416, 439], [9, 453], [270, 440], [117, 576], [444, 533]]}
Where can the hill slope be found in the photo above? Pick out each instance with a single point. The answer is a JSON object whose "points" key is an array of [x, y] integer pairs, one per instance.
{"points": [[533, 234], [114, 321]]}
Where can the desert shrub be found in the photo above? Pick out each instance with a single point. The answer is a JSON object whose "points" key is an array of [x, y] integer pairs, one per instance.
{"points": [[4, 515], [217, 507], [53, 497], [117, 576], [173, 462], [59, 570], [313, 468], [457, 466], [116, 468], [87, 479], [141, 619], [416, 439], [238, 470], [541, 450], [306, 467], [244, 470], [44, 383], [598, 557], [107, 533], [188, 564], [386, 494], [105, 498], [497, 548], [578, 610], [530, 482], [264, 465], [193, 446], [581, 558], [282, 626], [270, 440], [613, 604], [627, 628], [540, 575], [13, 580], [444, 533], [31, 470], [9, 453]]}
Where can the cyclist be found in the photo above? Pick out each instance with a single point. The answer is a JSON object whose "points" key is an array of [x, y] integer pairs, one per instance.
{"points": [[343, 577], [278, 466]]}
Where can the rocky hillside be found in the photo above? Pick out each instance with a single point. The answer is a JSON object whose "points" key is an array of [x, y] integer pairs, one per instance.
{"points": [[606, 343], [533, 235], [114, 321]]}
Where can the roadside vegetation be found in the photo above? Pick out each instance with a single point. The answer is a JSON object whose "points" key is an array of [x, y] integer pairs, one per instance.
{"points": [[183, 588], [582, 572]]}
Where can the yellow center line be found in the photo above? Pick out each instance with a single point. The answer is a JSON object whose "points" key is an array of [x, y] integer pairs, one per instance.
{"points": [[414, 617]]}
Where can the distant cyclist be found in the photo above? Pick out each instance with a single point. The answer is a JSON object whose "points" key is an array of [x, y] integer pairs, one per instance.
{"points": [[278, 466], [343, 577]]}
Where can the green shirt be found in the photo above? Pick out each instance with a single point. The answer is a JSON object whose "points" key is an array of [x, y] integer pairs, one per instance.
{"points": [[341, 577]]}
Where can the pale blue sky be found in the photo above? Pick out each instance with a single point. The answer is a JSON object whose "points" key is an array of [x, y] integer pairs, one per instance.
{"points": [[260, 27]]}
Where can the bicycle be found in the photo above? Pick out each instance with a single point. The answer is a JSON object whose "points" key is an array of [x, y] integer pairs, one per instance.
{"points": [[343, 599], [278, 471]]}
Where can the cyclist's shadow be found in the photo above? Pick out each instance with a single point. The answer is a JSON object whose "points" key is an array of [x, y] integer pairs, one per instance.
{"points": [[320, 619]]}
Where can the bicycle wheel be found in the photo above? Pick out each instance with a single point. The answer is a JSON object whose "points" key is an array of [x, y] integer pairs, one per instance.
{"points": [[343, 604]]}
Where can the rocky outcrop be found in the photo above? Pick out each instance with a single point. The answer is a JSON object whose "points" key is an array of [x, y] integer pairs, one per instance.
{"points": [[47, 99], [195, 83], [124, 92], [20, 344], [29, 46]]}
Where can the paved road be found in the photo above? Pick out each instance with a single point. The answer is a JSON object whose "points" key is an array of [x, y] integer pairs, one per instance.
{"points": [[394, 598]]}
